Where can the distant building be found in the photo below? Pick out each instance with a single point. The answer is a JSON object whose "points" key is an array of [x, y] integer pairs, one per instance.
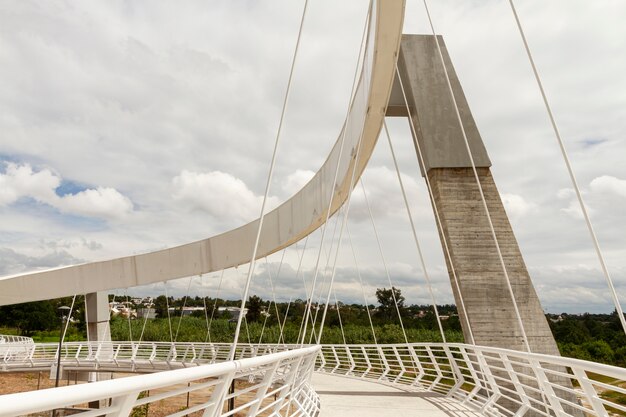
{"points": [[234, 312], [187, 311], [146, 313]]}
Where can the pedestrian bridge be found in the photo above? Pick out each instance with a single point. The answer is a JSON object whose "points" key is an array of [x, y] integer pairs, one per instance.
{"points": [[437, 379], [408, 76]]}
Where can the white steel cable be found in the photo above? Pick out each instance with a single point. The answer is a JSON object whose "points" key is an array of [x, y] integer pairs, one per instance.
{"points": [[343, 333], [69, 315], [341, 229], [130, 329], [382, 256], [480, 188], [269, 306], [581, 202], [87, 321], [247, 329], [217, 295], [267, 186], [281, 336], [358, 273], [269, 272], [245, 321], [308, 294], [444, 239], [306, 289], [110, 315], [414, 231], [143, 327], [169, 317], [67, 323], [343, 136], [346, 205], [182, 310], [206, 311], [327, 267]]}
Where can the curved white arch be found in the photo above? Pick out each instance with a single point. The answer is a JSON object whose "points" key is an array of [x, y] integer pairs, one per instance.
{"points": [[285, 225]]}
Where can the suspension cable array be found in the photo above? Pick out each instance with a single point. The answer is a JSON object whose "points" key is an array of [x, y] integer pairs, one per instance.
{"points": [[570, 171]]}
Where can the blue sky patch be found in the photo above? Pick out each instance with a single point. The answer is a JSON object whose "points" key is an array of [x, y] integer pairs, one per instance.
{"points": [[69, 187], [591, 142], [30, 206]]}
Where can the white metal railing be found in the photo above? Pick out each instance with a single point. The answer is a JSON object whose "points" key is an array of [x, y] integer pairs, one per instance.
{"points": [[8, 338], [132, 356], [15, 348], [276, 384], [497, 382]]}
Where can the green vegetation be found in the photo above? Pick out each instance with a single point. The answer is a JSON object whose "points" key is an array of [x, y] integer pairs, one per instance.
{"points": [[596, 337], [194, 329]]}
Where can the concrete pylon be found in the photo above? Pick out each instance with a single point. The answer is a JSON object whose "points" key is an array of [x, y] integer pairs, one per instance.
{"points": [[464, 223], [97, 304]]}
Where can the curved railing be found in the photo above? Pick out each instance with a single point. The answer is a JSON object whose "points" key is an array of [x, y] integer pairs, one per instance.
{"points": [[142, 357], [15, 348], [496, 382], [7, 338], [274, 384]]}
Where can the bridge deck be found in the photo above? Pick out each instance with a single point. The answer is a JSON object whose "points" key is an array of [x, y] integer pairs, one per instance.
{"points": [[346, 397]]}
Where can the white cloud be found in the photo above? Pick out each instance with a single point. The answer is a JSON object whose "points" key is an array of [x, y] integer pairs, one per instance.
{"points": [[607, 184], [383, 194], [129, 98], [565, 193], [21, 181], [603, 191], [103, 202], [14, 262], [573, 210], [516, 206], [220, 194]]}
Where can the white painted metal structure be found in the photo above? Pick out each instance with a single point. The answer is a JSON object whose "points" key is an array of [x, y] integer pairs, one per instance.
{"points": [[477, 377], [276, 384], [275, 380]]}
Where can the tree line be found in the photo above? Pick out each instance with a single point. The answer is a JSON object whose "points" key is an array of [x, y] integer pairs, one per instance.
{"points": [[596, 337]]}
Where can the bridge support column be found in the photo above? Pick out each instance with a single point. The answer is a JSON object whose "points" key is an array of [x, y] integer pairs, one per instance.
{"points": [[464, 223], [99, 330], [98, 316]]}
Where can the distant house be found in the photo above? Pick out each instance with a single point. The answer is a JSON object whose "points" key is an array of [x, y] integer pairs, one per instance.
{"points": [[146, 313], [556, 319], [234, 312], [121, 309], [187, 311]]}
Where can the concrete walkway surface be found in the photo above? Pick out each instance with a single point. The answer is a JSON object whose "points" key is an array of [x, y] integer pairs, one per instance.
{"points": [[347, 397]]}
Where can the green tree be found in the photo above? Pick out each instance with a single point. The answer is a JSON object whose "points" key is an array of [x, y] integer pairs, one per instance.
{"points": [[254, 306], [160, 306], [387, 300], [29, 317]]}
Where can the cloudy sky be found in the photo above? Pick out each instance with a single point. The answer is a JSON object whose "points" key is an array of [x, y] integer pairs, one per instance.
{"points": [[127, 127]]}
